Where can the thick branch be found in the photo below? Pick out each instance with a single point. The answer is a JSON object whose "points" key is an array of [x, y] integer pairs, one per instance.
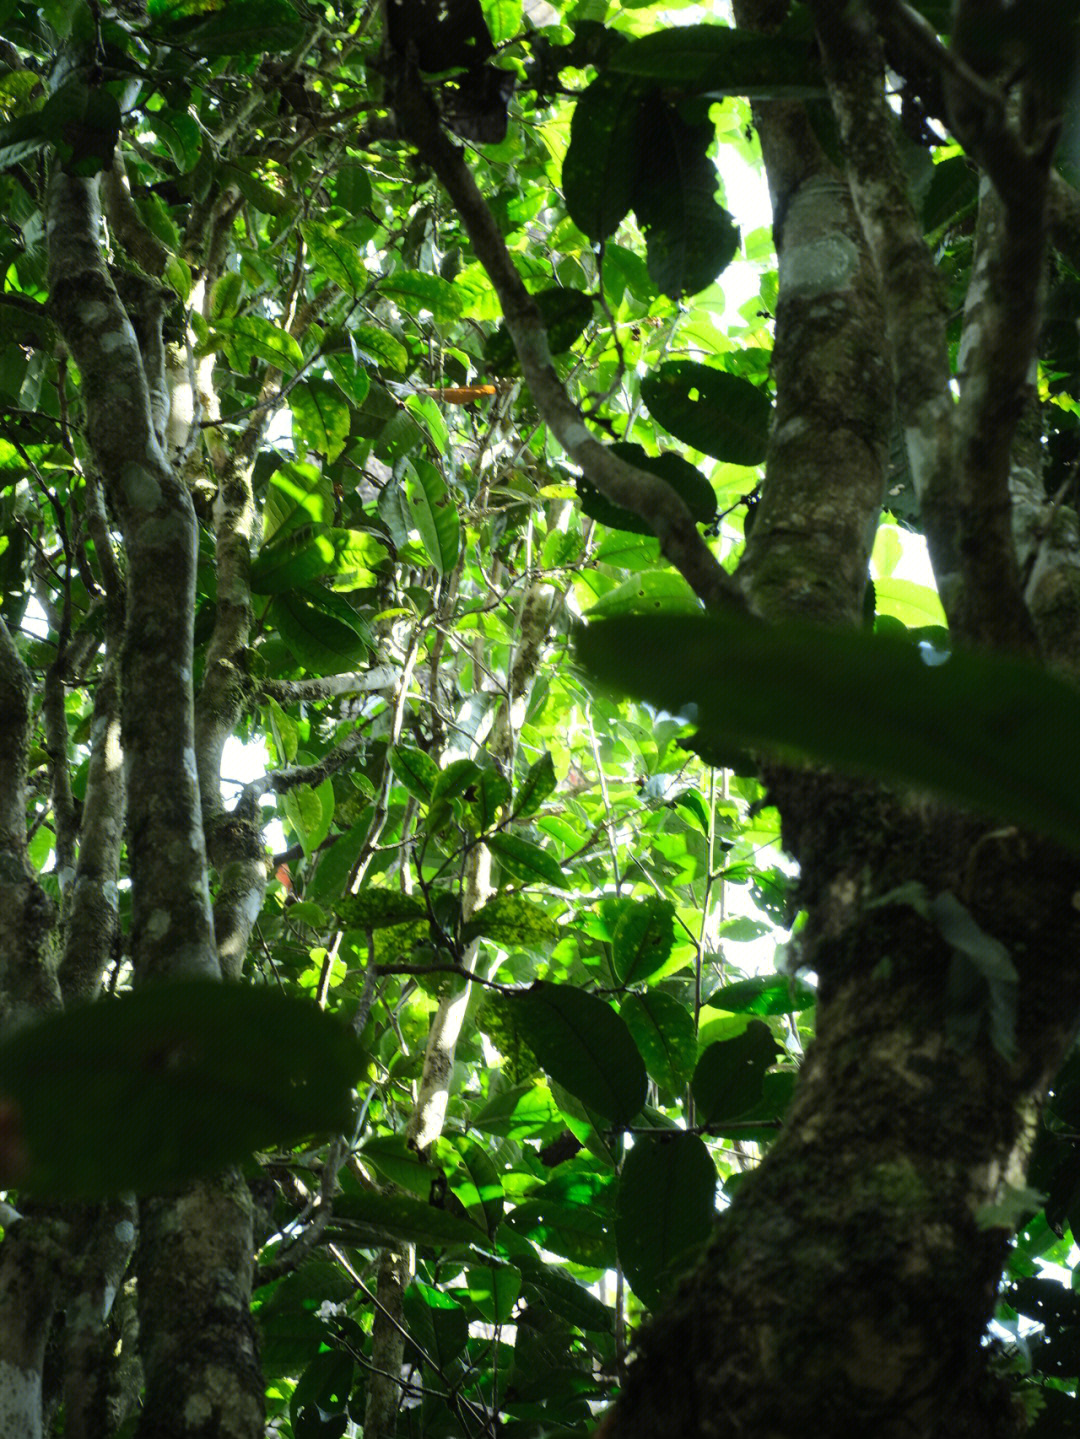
{"points": [[617, 481]]}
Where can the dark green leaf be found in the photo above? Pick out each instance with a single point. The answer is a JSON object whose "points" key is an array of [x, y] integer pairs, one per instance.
{"points": [[240, 27], [765, 994], [323, 642], [663, 1030], [720, 61], [689, 235], [376, 908], [643, 939], [145, 1091], [666, 1209], [986, 731], [601, 165], [402, 1218], [584, 1045], [684, 478], [416, 771], [511, 920], [717, 413], [729, 1079]]}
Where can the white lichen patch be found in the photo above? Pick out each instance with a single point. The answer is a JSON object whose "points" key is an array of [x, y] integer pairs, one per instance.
{"points": [[141, 487], [157, 926], [818, 267]]}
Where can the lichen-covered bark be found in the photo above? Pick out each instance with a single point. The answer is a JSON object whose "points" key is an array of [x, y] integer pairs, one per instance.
{"points": [[171, 929], [198, 1341]]}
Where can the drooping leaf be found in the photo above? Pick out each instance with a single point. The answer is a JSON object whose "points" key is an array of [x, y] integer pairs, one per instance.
{"points": [[684, 478], [423, 292], [525, 861], [323, 642], [730, 1075], [665, 1210], [416, 770], [538, 783], [663, 1030], [584, 1045], [689, 235], [717, 413], [600, 167], [336, 255], [320, 418], [240, 27], [174, 1080], [399, 1217], [646, 594], [432, 511], [643, 939], [984, 731]]}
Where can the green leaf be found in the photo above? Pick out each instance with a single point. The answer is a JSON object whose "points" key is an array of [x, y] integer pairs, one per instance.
{"points": [[423, 292], [689, 235], [578, 1233], [492, 793], [985, 731], [716, 60], [417, 771], [717, 413], [663, 1030], [665, 1211], [764, 994], [477, 1186], [643, 939], [351, 188], [378, 908], [494, 1291], [259, 195], [379, 347], [538, 783], [322, 642], [730, 1075], [248, 337], [601, 164], [299, 494], [583, 1044], [525, 861], [433, 513], [320, 418], [397, 1160], [310, 812], [336, 256], [240, 27], [512, 920], [174, 1080], [396, 1216], [684, 478], [647, 593]]}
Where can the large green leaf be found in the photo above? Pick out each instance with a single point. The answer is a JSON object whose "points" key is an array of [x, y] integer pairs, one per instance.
{"points": [[663, 1030], [538, 783], [715, 412], [323, 641], [382, 1216], [335, 255], [583, 1044], [239, 27], [643, 938], [320, 418], [525, 861], [720, 61], [419, 292], [511, 920], [689, 235], [174, 1080], [684, 478], [305, 554], [985, 731], [665, 1210], [433, 513], [601, 165], [764, 994], [730, 1075]]}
